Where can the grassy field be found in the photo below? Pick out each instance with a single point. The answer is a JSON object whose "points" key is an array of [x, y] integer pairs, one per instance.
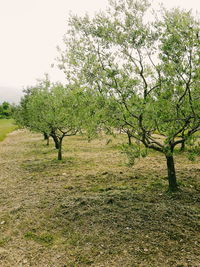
{"points": [[6, 126], [92, 209]]}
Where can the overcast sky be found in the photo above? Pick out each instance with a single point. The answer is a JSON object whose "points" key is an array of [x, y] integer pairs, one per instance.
{"points": [[30, 31]]}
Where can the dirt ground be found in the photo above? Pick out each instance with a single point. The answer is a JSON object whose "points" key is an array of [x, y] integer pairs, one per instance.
{"points": [[92, 209]]}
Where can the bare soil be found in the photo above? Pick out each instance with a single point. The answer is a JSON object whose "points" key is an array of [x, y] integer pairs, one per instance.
{"points": [[92, 209]]}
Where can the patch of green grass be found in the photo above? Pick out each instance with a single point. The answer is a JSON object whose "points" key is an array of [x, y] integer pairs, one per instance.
{"points": [[42, 165], [157, 185], [6, 126], [45, 238], [100, 188], [4, 241]]}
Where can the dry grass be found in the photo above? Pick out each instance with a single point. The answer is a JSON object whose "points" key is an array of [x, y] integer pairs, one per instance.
{"points": [[91, 209]]}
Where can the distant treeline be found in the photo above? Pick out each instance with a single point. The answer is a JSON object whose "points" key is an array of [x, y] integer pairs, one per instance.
{"points": [[6, 110]]}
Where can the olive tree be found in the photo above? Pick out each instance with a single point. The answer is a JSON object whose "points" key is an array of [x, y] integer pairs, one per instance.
{"points": [[149, 68], [52, 110]]}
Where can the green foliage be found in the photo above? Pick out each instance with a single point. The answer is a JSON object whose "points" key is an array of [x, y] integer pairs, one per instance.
{"points": [[133, 152], [6, 110], [196, 149], [191, 156], [126, 73], [146, 72], [52, 109], [193, 151], [139, 67]]}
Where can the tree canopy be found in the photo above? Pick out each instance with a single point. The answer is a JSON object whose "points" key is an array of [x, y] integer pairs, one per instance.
{"points": [[124, 71], [51, 109], [148, 69], [6, 110]]}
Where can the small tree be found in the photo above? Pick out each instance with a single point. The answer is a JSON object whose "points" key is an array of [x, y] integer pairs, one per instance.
{"points": [[51, 110], [6, 110], [150, 69]]}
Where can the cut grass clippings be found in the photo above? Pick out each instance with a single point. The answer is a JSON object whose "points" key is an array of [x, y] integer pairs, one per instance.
{"points": [[92, 209]]}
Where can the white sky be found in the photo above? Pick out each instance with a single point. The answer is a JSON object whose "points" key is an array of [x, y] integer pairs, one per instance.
{"points": [[30, 31]]}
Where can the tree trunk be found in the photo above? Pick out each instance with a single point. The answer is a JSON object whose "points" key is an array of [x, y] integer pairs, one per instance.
{"points": [[129, 138], [182, 146], [45, 136], [171, 174], [56, 141], [47, 141], [60, 149]]}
